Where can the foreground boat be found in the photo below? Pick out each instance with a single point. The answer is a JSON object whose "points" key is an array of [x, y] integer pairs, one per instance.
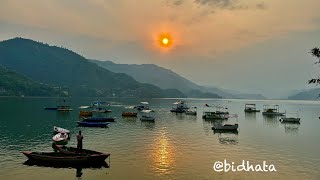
{"points": [[99, 119], [61, 138], [93, 124], [91, 165], [57, 130], [70, 156]]}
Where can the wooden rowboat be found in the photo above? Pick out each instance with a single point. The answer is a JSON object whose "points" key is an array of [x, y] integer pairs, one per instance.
{"points": [[84, 157], [129, 114]]}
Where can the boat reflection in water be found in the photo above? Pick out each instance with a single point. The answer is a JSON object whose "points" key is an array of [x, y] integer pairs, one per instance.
{"points": [[78, 167], [162, 154], [250, 116], [148, 125], [227, 137], [291, 128], [271, 121]]}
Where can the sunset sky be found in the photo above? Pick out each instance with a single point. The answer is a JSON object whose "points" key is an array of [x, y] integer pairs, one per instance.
{"points": [[245, 45]]}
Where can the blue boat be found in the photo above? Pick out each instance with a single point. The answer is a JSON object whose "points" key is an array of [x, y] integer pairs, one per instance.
{"points": [[99, 119], [93, 124], [178, 110]]}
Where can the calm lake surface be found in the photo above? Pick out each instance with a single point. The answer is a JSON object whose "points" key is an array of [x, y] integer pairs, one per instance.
{"points": [[176, 146]]}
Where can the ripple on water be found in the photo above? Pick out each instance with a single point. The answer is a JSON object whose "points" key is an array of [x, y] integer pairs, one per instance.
{"points": [[176, 146]]}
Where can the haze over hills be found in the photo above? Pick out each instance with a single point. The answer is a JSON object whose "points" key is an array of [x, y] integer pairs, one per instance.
{"points": [[311, 94], [165, 78], [15, 84], [62, 67]]}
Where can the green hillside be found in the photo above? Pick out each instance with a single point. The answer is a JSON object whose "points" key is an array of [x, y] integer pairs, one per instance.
{"points": [[62, 67], [14, 84]]}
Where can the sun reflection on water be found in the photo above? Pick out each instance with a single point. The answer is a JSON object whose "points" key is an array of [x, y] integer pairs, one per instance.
{"points": [[162, 154]]}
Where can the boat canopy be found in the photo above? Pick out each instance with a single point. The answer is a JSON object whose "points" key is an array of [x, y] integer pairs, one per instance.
{"points": [[130, 107], [144, 102], [146, 111], [84, 107]]}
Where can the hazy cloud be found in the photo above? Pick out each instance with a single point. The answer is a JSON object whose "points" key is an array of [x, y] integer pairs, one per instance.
{"points": [[218, 3], [261, 5], [178, 2]]}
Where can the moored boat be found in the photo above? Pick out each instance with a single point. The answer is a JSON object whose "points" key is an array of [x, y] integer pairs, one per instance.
{"points": [[93, 124], [61, 139], [85, 113], [129, 114], [214, 115], [178, 110], [181, 107], [57, 130], [290, 120], [192, 111], [84, 157], [64, 108], [272, 110], [99, 119], [250, 108], [146, 116]]}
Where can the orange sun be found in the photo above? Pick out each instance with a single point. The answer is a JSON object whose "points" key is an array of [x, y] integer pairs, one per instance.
{"points": [[165, 40]]}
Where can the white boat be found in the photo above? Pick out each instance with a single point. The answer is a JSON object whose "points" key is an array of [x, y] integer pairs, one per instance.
{"points": [[192, 111], [218, 113], [213, 115], [84, 107], [293, 118], [57, 129], [143, 106], [226, 127], [61, 138], [64, 108], [272, 110], [182, 104], [146, 117]]}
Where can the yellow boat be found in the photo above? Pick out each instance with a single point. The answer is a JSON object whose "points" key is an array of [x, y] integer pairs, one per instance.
{"points": [[85, 113], [129, 114]]}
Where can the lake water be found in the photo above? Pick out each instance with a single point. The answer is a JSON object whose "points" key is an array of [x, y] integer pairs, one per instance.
{"points": [[176, 146]]}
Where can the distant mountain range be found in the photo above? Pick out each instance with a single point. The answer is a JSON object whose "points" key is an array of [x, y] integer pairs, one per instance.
{"points": [[165, 78], [15, 84], [311, 94], [61, 67]]}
